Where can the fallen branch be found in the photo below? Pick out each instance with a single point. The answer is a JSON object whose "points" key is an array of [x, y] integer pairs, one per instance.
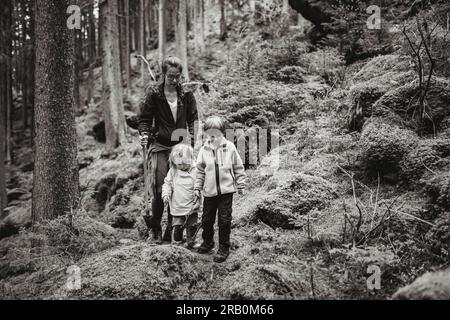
{"points": [[415, 218]]}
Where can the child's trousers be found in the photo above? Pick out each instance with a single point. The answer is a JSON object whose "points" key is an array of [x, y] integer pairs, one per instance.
{"points": [[180, 222], [221, 205]]}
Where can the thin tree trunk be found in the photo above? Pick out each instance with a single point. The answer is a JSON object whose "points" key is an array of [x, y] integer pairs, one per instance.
{"points": [[202, 26], [8, 11], [198, 25], [121, 36], [3, 198], [77, 58], [137, 24], [127, 46], [24, 73], [162, 30], [223, 21], [113, 112], [92, 53], [142, 38], [55, 186], [5, 25], [32, 64], [182, 30]]}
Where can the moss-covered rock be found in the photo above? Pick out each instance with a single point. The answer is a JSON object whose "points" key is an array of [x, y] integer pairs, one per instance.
{"points": [[251, 116], [384, 145], [283, 206], [439, 235], [403, 102], [426, 156], [381, 66], [288, 74], [437, 187], [362, 97], [138, 271], [430, 286]]}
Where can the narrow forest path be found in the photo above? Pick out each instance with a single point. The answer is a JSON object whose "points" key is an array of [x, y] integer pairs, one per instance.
{"points": [[267, 260]]}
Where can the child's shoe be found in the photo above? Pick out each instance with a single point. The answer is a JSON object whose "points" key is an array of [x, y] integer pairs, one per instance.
{"points": [[167, 234], [221, 255], [190, 232], [177, 235], [155, 237], [206, 247]]}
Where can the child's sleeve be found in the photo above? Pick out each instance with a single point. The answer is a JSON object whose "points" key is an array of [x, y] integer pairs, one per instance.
{"points": [[200, 175], [167, 187], [239, 170]]}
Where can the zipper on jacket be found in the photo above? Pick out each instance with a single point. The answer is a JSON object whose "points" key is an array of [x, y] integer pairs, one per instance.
{"points": [[216, 167]]}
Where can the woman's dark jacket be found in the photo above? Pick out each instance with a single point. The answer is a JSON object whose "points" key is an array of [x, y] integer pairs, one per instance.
{"points": [[154, 107]]}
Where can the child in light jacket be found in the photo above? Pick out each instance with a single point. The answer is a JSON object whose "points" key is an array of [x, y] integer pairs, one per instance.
{"points": [[178, 193], [220, 174]]}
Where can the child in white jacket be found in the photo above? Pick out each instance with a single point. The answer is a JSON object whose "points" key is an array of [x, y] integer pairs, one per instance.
{"points": [[178, 193], [220, 174]]}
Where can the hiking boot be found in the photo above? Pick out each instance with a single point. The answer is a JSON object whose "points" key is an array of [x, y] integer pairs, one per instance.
{"points": [[221, 255], [190, 232], [167, 234], [155, 237], [206, 247], [177, 235]]}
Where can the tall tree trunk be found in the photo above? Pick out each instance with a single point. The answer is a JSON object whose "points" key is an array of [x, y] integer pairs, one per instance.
{"points": [[199, 25], [121, 36], [5, 25], [55, 185], [92, 51], [137, 24], [182, 30], [162, 30], [24, 64], [3, 198], [223, 21], [127, 46], [31, 69], [202, 26], [77, 59], [8, 11], [142, 38], [113, 112]]}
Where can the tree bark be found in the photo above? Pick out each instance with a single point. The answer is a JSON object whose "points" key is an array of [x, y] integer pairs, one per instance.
{"points": [[24, 70], [92, 51], [3, 198], [198, 26], [162, 30], [8, 11], [142, 38], [113, 112], [127, 46], [31, 70], [56, 185], [182, 37], [5, 24], [77, 60], [223, 21]]}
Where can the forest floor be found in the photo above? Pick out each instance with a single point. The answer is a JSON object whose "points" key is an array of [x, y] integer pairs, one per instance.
{"points": [[289, 236]]}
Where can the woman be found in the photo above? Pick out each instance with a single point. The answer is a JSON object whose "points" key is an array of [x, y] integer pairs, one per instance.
{"points": [[166, 107]]}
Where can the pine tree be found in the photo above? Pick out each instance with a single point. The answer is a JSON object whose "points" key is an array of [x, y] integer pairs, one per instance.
{"points": [[56, 185], [113, 111]]}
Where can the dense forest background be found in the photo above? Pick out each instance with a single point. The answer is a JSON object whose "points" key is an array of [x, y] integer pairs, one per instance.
{"points": [[358, 91]]}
